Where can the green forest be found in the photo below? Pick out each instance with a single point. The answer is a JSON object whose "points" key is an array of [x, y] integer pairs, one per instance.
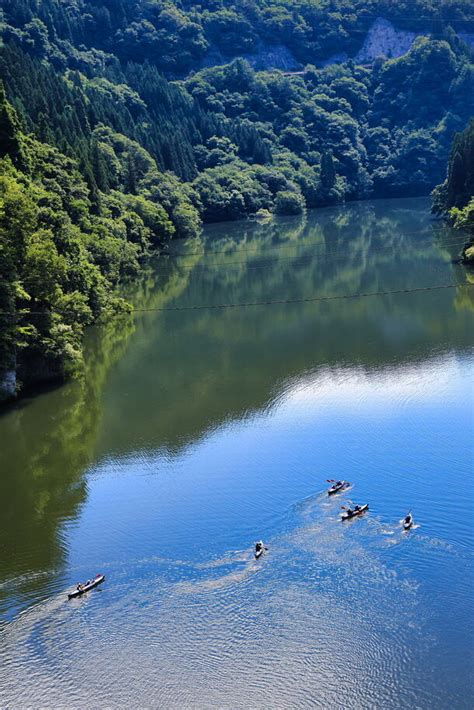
{"points": [[127, 123], [455, 196]]}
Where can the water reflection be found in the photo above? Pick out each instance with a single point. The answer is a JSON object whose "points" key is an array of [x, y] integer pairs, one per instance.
{"points": [[208, 366], [158, 384], [212, 365], [48, 441], [47, 444]]}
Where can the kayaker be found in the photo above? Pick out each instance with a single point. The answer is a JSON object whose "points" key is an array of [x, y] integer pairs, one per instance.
{"points": [[259, 546]]}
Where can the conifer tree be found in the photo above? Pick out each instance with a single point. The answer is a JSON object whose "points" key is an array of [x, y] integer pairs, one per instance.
{"points": [[328, 171], [130, 183], [9, 129], [99, 167], [456, 179]]}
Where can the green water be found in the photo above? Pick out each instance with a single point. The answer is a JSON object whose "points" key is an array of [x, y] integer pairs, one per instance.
{"points": [[195, 432]]}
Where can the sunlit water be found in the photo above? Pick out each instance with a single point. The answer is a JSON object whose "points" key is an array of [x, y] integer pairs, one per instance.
{"points": [[194, 433]]}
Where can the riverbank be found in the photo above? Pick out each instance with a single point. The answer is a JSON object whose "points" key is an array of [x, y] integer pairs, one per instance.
{"points": [[200, 430], [130, 292]]}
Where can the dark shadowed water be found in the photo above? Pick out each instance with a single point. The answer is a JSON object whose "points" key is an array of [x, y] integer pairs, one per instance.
{"points": [[196, 432]]}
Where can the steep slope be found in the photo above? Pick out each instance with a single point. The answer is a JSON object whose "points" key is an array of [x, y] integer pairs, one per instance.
{"points": [[114, 138], [455, 196]]}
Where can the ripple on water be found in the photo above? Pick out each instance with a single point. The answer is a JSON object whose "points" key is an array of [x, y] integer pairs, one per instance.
{"points": [[250, 634], [335, 615]]}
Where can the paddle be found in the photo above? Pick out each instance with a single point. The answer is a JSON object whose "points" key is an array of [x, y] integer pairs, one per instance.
{"points": [[350, 512], [345, 507], [331, 480]]}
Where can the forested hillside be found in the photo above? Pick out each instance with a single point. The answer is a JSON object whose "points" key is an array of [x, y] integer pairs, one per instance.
{"points": [[177, 35], [117, 134], [455, 196]]}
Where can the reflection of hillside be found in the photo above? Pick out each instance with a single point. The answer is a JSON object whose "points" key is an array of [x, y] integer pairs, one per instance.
{"points": [[189, 371], [184, 373], [465, 295], [48, 442]]}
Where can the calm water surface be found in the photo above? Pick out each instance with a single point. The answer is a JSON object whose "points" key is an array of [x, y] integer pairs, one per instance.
{"points": [[196, 432]]}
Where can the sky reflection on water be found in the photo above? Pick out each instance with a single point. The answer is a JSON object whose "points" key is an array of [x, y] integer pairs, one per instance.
{"points": [[195, 434]]}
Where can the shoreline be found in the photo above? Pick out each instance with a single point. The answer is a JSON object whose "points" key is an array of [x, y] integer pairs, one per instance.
{"points": [[51, 382]]}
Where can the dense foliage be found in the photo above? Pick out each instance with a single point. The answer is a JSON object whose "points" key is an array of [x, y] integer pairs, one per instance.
{"points": [[455, 196], [63, 249], [177, 36], [116, 134]]}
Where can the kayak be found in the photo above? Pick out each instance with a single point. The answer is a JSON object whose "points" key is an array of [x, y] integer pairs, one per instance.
{"points": [[337, 488], [98, 579], [408, 522], [259, 553], [354, 513]]}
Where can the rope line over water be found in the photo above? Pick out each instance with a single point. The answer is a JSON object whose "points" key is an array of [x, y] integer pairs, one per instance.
{"points": [[247, 304], [309, 299], [267, 260]]}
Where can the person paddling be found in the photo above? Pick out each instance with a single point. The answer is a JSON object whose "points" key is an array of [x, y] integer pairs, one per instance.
{"points": [[337, 485], [259, 549], [352, 512]]}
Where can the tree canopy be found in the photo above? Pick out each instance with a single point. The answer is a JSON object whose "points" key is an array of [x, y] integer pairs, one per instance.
{"points": [[455, 196], [125, 123]]}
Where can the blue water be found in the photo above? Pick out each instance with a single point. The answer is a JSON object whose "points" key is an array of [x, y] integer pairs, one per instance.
{"points": [[201, 432]]}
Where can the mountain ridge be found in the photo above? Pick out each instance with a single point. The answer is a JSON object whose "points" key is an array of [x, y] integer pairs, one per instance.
{"points": [[104, 156]]}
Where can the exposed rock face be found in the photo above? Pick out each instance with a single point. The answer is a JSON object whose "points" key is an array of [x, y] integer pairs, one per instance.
{"points": [[384, 40], [275, 56]]}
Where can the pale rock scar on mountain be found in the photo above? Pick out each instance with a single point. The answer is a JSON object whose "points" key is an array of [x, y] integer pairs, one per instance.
{"points": [[384, 40]]}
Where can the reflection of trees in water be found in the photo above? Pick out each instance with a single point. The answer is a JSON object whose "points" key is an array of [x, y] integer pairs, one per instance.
{"points": [[183, 373], [210, 365], [339, 246], [48, 442], [465, 293]]}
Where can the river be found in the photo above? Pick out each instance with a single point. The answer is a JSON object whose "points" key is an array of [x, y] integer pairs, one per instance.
{"points": [[195, 432]]}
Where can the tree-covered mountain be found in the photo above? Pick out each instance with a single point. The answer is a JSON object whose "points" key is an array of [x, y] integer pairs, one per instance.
{"points": [[116, 135], [455, 196], [63, 249], [176, 36], [70, 66]]}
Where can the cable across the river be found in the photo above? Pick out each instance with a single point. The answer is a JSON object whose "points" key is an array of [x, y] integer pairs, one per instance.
{"points": [[308, 299], [247, 304]]}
